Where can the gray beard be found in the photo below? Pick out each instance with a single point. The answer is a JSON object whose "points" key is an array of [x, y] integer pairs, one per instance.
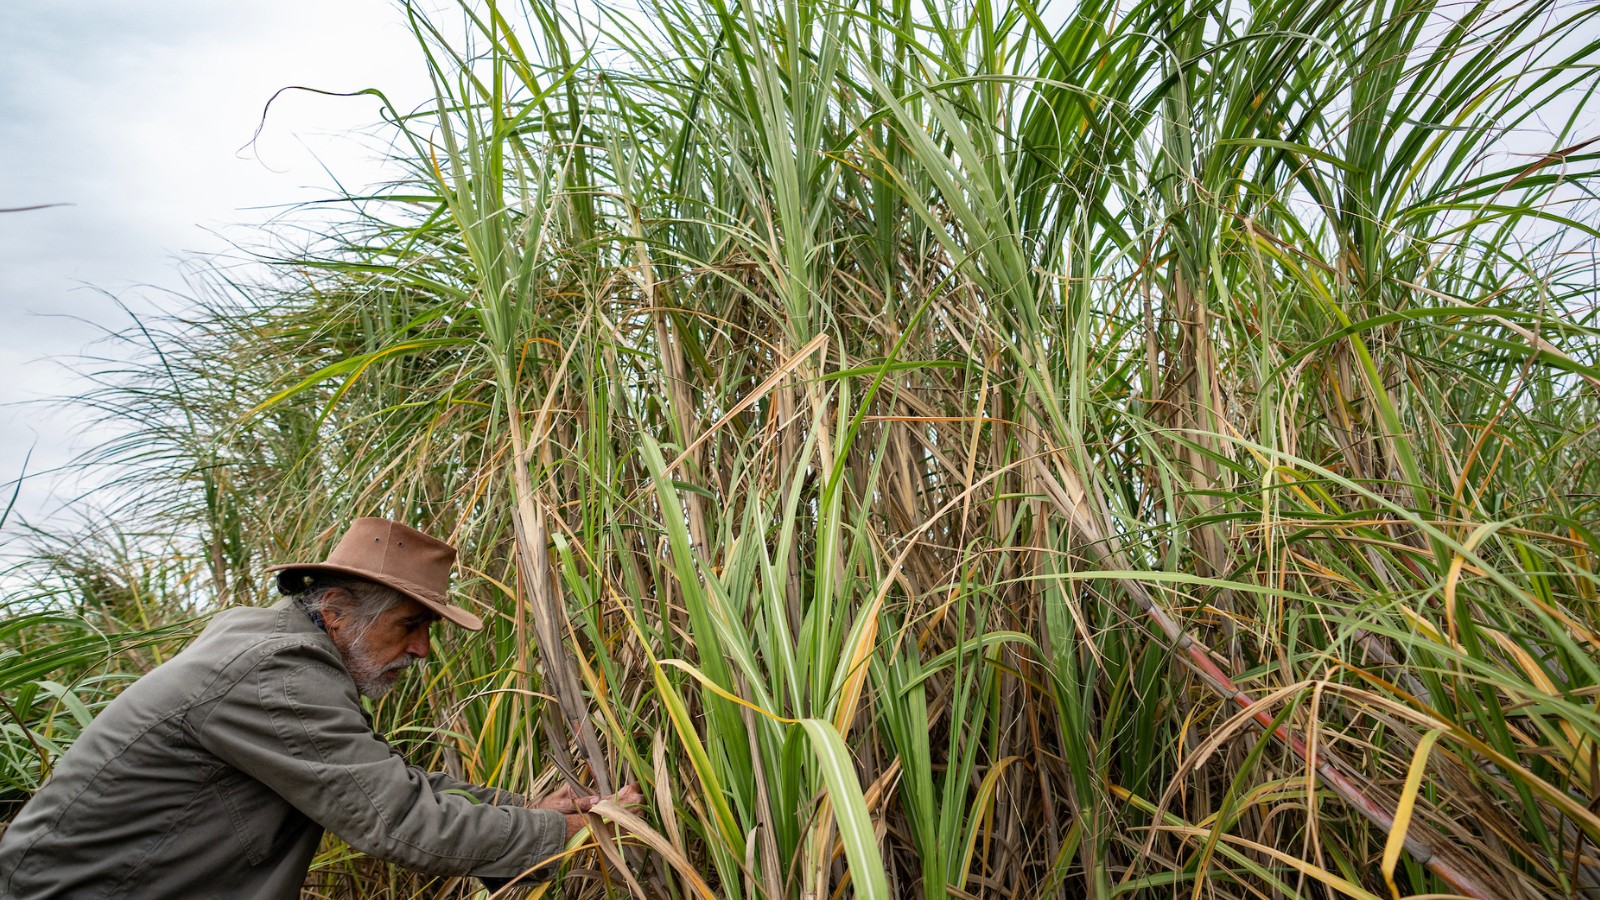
{"points": [[372, 679]]}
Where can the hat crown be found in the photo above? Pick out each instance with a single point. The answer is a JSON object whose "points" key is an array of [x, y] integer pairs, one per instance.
{"points": [[398, 556], [390, 550]]}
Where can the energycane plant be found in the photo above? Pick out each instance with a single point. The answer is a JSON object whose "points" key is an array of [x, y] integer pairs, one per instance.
{"points": [[959, 449]]}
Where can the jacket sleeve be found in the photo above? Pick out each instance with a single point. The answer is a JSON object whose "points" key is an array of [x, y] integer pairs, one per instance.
{"points": [[442, 782], [293, 721]]}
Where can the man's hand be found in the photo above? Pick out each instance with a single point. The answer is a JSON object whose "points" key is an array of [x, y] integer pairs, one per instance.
{"points": [[628, 797], [562, 801]]}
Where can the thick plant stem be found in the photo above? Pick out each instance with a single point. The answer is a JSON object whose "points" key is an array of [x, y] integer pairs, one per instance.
{"points": [[549, 617], [1327, 764], [1073, 498]]}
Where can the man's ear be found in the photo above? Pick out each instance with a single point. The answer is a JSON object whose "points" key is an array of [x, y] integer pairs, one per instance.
{"points": [[335, 608]]}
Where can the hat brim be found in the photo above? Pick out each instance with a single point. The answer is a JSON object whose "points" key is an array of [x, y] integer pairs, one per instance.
{"points": [[455, 615]]}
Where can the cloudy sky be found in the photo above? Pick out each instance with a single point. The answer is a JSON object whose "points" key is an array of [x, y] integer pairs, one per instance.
{"points": [[140, 117]]}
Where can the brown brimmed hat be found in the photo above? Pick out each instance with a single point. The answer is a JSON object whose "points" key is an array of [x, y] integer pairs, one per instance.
{"points": [[393, 555]]}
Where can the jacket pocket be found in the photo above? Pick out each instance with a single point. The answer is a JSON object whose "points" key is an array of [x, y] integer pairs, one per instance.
{"points": [[262, 822]]}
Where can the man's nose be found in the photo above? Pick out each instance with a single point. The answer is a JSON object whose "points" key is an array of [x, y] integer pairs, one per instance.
{"points": [[418, 646]]}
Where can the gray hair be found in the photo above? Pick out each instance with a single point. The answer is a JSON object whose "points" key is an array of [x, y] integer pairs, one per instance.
{"points": [[362, 602]]}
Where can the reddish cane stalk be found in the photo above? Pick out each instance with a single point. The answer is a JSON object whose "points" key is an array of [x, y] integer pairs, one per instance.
{"points": [[1464, 882], [1073, 499]]}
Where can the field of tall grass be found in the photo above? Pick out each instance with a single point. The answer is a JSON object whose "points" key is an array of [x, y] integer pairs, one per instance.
{"points": [[939, 449]]}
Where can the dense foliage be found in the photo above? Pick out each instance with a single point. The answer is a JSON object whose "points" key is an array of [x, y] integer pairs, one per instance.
{"points": [[958, 450]]}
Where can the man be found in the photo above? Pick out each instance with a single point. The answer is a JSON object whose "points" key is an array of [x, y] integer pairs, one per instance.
{"points": [[215, 775]]}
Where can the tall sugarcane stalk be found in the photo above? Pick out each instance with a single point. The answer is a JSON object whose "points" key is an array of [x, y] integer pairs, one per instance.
{"points": [[549, 616]]}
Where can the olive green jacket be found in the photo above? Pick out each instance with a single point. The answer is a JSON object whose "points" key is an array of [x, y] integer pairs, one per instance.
{"points": [[214, 777]]}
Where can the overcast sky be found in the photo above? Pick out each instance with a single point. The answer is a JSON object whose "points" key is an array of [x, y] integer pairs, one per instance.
{"points": [[138, 116]]}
